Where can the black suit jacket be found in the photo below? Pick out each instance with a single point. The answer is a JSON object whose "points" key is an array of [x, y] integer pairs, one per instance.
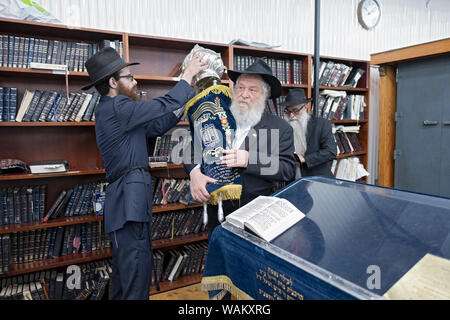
{"points": [[270, 144], [320, 150]]}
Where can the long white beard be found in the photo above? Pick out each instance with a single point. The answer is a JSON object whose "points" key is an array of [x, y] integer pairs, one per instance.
{"points": [[300, 126], [248, 115]]}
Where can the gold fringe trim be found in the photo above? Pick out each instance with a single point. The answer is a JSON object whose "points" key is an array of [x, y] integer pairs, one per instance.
{"points": [[228, 192], [223, 89], [225, 284]]}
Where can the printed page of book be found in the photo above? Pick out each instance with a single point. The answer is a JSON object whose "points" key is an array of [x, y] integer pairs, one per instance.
{"points": [[252, 208], [274, 219], [428, 279]]}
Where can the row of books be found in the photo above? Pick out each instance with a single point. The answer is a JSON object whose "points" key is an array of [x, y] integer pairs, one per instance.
{"points": [[177, 223], [163, 148], [20, 52], [51, 285], [350, 169], [276, 110], [80, 200], [184, 261], [288, 71], [22, 204], [170, 190], [340, 106], [334, 74], [40, 244], [27, 203], [8, 103], [347, 139], [54, 106]]}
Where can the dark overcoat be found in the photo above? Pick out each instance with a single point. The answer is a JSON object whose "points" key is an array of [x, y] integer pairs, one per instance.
{"points": [[271, 157], [320, 150], [122, 128]]}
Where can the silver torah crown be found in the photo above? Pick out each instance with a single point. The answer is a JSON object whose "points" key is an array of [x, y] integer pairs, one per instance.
{"points": [[215, 67]]}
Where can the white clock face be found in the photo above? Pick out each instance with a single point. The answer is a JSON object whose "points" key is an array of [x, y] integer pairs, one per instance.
{"points": [[370, 13]]}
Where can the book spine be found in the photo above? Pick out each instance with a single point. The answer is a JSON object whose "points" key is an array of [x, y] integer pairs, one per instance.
{"points": [[56, 45], [1, 54], [12, 104], [40, 106], [4, 206], [17, 213], [1, 104], [10, 204], [48, 106], [23, 205], [72, 106], [42, 197], [16, 51], [6, 97], [36, 203], [20, 51]]}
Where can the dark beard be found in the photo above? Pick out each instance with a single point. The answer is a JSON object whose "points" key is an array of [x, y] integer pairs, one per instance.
{"points": [[129, 92]]}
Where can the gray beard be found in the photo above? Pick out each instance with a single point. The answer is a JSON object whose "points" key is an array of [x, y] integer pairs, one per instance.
{"points": [[248, 116], [300, 126]]}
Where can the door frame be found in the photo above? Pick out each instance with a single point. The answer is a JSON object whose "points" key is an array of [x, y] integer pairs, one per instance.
{"points": [[388, 61]]}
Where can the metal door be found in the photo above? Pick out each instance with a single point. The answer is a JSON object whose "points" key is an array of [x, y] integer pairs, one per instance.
{"points": [[423, 127]]}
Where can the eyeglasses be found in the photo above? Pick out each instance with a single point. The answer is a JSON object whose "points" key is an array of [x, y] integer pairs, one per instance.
{"points": [[295, 112], [129, 76]]}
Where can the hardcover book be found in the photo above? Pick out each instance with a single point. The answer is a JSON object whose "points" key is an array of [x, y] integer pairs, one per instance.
{"points": [[267, 217]]}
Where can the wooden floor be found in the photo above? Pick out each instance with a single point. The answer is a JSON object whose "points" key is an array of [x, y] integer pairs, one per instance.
{"points": [[192, 292]]}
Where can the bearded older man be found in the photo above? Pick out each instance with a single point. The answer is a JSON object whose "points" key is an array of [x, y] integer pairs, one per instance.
{"points": [[315, 147], [263, 148]]}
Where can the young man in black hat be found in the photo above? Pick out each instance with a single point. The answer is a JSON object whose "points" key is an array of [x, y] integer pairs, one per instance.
{"points": [[263, 148], [315, 147], [122, 128]]}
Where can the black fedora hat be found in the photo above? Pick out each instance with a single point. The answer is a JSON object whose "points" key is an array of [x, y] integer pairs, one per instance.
{"points": [[259, 67], [295, 96], [103, 64]]}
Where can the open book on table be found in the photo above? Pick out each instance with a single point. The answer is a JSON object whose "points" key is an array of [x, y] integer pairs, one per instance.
{"points": [[267, 217]]}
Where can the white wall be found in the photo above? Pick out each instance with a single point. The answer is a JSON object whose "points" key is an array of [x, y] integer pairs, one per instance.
{"points": [[289, 23]]}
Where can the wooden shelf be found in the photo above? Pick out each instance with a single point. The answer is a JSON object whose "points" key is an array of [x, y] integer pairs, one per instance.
{"points": [[77, 258], [12, 177], [173, 207], [169, 167], [179, 283], [62, 221], [353, 154], [292, 85], [39, 72], [349, 121], [177, 241], [362, 90], [48, 124], [168, 80], [272, 52]]}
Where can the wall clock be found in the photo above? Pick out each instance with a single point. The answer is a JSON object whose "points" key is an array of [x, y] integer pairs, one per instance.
{"points": [[369, 13]]}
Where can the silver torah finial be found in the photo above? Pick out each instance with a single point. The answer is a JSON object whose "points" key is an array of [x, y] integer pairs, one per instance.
{"points": [[212, 74]]}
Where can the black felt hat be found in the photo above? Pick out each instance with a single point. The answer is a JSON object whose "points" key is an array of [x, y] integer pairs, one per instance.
{"points": [[295, 96], [103, 64], [261, 68]]}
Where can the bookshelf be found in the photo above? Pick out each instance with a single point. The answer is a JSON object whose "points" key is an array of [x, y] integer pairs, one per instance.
{"points": [[158, 72], [363, 89]]}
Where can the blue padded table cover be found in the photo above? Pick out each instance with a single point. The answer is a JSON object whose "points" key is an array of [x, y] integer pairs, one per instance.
{"points": [[351, 234]]}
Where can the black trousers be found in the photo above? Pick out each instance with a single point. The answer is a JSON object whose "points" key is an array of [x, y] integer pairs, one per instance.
{"points": [[228, 207], [131, 262]]}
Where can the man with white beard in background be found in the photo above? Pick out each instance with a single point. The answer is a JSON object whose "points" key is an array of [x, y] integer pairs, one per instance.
{"points": [[263, 148], [315, 147]]}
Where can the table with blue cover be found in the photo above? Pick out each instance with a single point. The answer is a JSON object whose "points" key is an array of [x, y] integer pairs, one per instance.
{"points": [[356, 241]]}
